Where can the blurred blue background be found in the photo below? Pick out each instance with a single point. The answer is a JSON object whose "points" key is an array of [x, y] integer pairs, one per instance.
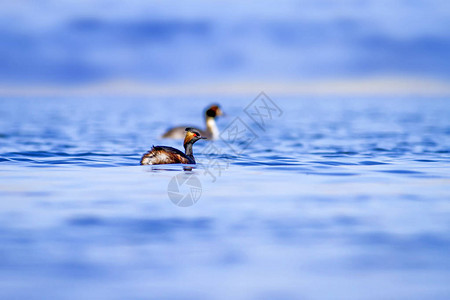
{"points": [[344, 196], [78, 42]]}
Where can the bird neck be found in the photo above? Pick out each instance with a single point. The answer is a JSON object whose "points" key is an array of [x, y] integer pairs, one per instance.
{"points": [[188, 149], [212, 127]]}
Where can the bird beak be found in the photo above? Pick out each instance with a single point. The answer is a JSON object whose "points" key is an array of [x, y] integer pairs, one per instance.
{"points": [[204, 138]]}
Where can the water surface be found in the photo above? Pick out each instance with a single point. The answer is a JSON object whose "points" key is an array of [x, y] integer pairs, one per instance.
{"points": [[343, 198]]}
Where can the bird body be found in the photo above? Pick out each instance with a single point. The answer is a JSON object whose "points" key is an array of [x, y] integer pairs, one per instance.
{"points": [[211, 131], [160, 155]]}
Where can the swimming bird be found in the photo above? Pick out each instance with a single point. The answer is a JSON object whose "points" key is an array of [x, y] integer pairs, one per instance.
{"points": [[211, 131], [167, 155]]}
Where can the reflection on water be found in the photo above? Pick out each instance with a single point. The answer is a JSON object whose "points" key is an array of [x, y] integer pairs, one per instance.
{"points": [[340, 198]]}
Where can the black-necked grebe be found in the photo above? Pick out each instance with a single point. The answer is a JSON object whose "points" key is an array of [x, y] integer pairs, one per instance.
{"points": [[211, 131], [167, 155]]}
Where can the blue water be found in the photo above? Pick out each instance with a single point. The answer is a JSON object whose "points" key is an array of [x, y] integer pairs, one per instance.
{"points": [[344, 198]]}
